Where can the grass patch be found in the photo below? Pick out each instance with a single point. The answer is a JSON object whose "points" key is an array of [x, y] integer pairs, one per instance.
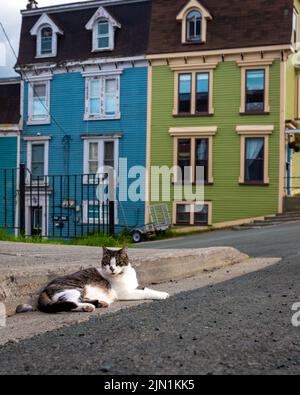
{"points": [[95, 240]]}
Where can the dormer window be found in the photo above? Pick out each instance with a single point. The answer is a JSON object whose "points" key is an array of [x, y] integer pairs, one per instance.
{"points": [[46, 40], [193, 18], [193, 24], [46, 32], [103, 27]]}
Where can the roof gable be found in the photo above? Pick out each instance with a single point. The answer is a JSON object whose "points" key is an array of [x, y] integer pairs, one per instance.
{"points": [[193, 4], [101, 13], [45, 20]]}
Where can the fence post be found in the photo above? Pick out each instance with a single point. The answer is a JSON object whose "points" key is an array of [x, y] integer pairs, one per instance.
{"points": [[111, 210], [22, 199]]}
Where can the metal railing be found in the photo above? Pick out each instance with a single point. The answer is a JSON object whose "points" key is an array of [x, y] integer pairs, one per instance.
{"points": [[53, 206]]}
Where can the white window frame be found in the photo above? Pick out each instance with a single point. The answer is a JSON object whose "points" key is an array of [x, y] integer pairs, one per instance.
{"points": [[88, 116], [30, 143], [111, 37], [102, 15], [31, 84], [39, 43], [45, 21], [91, 221], [101, 143], [295, 15]]}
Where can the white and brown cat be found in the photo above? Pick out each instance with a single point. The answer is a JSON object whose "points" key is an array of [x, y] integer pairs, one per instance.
{"points": [[95, 288]]}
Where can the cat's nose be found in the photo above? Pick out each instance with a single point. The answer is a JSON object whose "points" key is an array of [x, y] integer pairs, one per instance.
{"points": [[112, 270]]}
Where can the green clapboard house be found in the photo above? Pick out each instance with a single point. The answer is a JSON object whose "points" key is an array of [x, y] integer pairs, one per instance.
{"points": [[224, 94]]}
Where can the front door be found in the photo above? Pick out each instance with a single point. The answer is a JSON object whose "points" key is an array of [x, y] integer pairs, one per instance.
{"points": [[37, 221]]}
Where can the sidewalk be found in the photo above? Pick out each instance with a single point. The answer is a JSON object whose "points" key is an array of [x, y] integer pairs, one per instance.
{"points": [[25, 268]]}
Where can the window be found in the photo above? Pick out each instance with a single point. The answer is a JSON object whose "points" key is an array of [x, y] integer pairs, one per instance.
{"points": [[188, 162], [183, 214], [37, 161], [202, 93], [105, 87], [254, 160], [103, 35], [46, 32], [193, 148], [103, 27], [295, 26], [46, 41], [99, 153], [201, 156], [194, 19], [193, 213], [255, 86], [110, 97], [184, 158], [193, 26], [94, 212], [195, 93], [254, 168], [39, 103], [185, 93], [201, 217], [255, 90]]}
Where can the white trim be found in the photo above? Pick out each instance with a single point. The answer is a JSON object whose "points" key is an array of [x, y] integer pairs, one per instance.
{"points": [[102, 15], [37, 138], [92, 221], [43, 205], [102, 78], [47, 119], [43, 22], [9, 129], [78, 6], [258, 129], [101, 141]]}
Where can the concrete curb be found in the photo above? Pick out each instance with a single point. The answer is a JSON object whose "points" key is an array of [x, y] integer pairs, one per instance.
{"points": [[22, 274]]}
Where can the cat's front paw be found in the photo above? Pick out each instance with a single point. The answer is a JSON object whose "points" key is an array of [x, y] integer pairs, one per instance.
{"points": [[163, 296]]}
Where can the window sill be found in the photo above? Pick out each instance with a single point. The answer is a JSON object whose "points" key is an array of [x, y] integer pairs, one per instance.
{"points": [[37, 123], [102, 118], [50, 55], [244, 113], [254, 184], [197, 115], [208, 183]]}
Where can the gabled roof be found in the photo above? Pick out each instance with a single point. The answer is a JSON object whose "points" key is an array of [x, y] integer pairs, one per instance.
{"points": [[101, 13], [9, 102], [45, 20], [76, 42], [234, 24]]}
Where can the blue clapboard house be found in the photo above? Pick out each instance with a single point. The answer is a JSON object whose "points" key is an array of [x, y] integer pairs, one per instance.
{"points": [[84, 106]]}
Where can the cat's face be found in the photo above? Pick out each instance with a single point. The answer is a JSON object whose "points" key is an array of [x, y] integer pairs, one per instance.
{"points": [[114, 261]]}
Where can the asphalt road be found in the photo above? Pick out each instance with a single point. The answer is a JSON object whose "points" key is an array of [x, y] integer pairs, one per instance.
{"points": [[241, 326], [277, 241]]}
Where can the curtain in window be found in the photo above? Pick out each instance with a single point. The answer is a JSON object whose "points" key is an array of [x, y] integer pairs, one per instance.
{"points": [[255, 159], [93, 158]]}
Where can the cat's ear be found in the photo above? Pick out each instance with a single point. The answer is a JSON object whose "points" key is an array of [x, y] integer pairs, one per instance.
{"points": [[105, 250], [125, 250]]}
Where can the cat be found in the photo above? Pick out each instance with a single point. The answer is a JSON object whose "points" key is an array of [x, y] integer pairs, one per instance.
{"points": [[93, 288]]}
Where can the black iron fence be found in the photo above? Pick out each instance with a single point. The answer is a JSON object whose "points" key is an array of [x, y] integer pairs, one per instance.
{"points": [[55, 206]]}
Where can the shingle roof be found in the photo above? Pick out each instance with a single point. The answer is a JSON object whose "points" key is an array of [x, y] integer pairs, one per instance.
{"points": [[76, 43], [235, 24], [9, 103]]}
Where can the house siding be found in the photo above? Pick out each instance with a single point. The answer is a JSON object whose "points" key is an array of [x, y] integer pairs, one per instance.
{"points": [[230, 201], [67, 108], [8, 164]]}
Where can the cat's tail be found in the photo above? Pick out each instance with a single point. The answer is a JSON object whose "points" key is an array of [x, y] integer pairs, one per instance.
{"points": [[45, 305]]}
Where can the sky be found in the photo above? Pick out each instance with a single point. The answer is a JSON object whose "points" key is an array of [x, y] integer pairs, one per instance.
{"points": [[11, 19]]}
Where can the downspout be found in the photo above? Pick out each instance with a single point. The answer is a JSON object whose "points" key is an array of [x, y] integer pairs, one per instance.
{"points": [[17, 217]]}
